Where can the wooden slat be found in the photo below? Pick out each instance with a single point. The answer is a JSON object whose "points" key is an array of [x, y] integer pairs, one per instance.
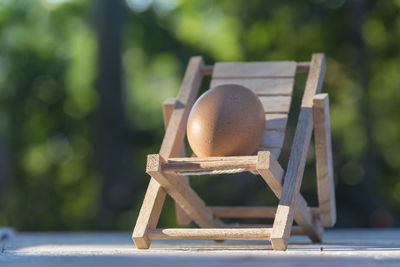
{"points": [[324, 161], [300, 67], [276, 104], [295, 170], [254, 69], [268, 86], [211, 234], [249, 212], [182, 193], [168, 107], [272, 139], [149, 214], [276, 121], [247, 163]]}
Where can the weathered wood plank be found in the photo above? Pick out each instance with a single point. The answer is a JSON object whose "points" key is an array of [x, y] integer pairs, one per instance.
{"points": [[342, 247], [254, 69], [168, 108], [267, 86], [276, 104], [295, 170], [324, 161]]}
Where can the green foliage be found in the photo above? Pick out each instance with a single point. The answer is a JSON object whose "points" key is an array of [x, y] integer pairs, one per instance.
{"points": [[48, 99]]}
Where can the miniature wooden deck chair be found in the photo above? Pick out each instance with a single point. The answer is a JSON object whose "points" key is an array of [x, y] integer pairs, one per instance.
{"points": [[273, 83]]}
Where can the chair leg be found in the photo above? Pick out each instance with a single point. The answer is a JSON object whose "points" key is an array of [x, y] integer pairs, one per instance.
{"points": [[182, 193], [272, 173], [297, 159], [281, 228], [149, 214]]}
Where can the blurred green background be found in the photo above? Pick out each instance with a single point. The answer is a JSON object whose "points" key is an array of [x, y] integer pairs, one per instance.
{"points": [[82, 83]]}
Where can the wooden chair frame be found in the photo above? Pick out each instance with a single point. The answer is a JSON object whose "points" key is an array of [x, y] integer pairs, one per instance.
{"points": [[165, 167]]}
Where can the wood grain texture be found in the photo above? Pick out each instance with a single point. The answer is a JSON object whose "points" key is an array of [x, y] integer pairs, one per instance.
{"points": [[212, 234], [276, 104], [295, 170], [342, 247], [324, 161], [149, 214], [261, 87], [182, 193], [254, 69], [168, 107], [188, 92]]}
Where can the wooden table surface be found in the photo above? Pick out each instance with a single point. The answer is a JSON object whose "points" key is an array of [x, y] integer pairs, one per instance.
{"points": [[358, 247]]}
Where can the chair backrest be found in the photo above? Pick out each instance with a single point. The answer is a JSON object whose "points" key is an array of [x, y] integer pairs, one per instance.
{"points": [[273, 83]]}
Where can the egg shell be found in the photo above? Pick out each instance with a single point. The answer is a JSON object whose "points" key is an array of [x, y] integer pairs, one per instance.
{"points": [[227, 120]]}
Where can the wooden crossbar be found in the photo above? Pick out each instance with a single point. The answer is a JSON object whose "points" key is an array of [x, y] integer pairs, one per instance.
{"points": [[232, 233], [212, 233], [250, 212], [247, 163]]}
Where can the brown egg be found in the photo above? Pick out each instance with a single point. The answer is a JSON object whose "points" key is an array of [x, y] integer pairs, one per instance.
{"points": [[227, 120]]}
